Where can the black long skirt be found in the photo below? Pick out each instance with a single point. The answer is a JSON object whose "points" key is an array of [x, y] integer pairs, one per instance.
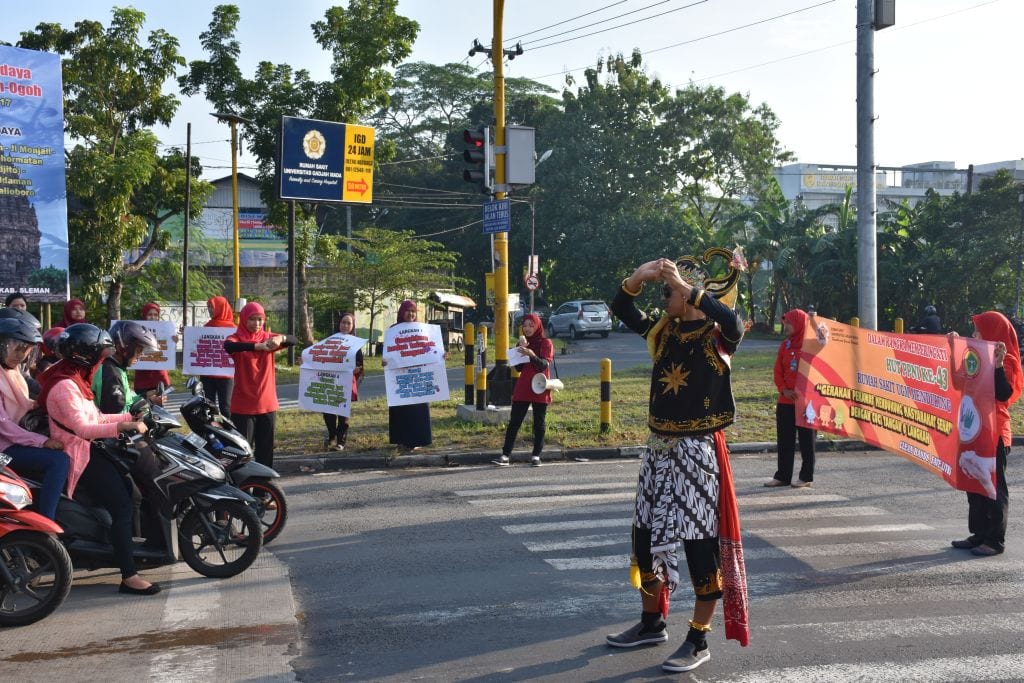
{"points": [[410, 425]]}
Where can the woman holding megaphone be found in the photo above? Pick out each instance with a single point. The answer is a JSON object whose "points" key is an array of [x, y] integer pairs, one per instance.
{"points": [[540, 353]]}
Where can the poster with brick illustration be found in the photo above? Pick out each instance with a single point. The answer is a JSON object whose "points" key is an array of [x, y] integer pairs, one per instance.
{"points": [[337, 352], [203, 352]]}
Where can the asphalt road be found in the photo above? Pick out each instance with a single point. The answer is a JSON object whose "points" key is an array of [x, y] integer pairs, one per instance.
{"points": [[508, 574]]}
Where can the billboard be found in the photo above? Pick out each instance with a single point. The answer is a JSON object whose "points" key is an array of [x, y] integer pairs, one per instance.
{"points": [[324, 161], [33, 194]]}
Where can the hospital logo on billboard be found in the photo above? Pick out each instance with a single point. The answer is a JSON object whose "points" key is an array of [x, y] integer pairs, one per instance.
{"points": [[314, 144]]}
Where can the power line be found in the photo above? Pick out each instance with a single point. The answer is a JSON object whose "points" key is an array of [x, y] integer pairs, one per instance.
{"points": [[694, 40], [566, 21], [611, 28]]}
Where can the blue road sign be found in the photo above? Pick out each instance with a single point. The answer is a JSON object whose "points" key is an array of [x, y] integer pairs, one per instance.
{"points": [[497, 216]]}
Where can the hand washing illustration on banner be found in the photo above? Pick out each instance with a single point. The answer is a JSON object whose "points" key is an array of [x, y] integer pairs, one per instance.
{"points": [[203, 352], [929, 399], [166, 358], [409, 344]]}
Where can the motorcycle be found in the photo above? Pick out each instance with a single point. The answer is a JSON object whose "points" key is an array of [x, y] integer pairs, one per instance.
{"points": [[35, 570], [187, 504], [229, 447]]}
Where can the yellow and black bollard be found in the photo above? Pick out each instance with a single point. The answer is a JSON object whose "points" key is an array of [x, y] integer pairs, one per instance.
{"points": [[470, 359], [606, 395], [854, 321], [481, 375], [898, 326]]}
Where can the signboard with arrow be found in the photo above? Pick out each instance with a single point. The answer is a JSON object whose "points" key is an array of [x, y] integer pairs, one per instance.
{"points": [[325, 161]]}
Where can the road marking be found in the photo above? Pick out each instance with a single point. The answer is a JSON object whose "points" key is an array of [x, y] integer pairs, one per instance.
{"points": [[559, 501], [578, 543], [938, 670], [547, 488], [819, 513], [912, 627], [541, 527], [783, 532], [789, 499]]}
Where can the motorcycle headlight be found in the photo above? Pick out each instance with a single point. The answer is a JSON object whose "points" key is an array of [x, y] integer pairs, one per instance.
{"points": [[18, 496], [212, 469]]}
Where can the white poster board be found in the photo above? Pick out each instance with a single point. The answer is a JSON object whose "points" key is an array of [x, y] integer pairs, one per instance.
{"points": [[164, 359], [204, 354], [408, 344], [416, 384], [517, 357], [325, 391], [337, 352]]}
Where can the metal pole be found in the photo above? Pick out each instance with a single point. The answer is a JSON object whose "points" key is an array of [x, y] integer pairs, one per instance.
{"points": [[867, 284], [1020, 251], [348, 227], [234, 208], [291, 278], [188, 211], [533, 227]]}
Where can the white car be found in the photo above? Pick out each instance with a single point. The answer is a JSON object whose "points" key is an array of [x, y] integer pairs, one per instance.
{"points": [[577, 318]]}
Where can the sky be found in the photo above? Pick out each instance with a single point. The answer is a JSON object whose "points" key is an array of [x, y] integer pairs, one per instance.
{"points": [[947, 86]]}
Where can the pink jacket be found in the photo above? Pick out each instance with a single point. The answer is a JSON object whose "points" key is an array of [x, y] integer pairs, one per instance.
{"points": [[67, 405], [13, 435]]}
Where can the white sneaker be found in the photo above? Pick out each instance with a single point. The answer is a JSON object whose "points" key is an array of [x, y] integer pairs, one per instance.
{"points": [[502, 461], [535, 461]]}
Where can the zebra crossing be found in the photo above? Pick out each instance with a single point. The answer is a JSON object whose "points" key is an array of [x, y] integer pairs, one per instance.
{"points": [[844, 587]]}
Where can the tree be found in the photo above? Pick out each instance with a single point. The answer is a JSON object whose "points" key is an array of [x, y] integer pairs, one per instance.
{"points": [[382, 266], [364, 40], [113, 91]]}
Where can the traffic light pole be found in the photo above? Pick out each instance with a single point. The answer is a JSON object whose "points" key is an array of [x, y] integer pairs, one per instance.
{"points": [[499, 380]]}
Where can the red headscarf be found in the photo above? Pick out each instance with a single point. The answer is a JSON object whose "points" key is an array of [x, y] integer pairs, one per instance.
{"points": [[221, 315], [64, 369], [68, 322], [798, 319], [151, 306], [995, 327], [407, 305], [534, 341], [242, 333]]}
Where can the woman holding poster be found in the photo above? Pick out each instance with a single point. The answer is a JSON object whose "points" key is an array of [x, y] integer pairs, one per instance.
{"points": [[540, 353], [148, 381], [337, 425], [986, 518], [218, 387], [409, 425], [254, 400]]}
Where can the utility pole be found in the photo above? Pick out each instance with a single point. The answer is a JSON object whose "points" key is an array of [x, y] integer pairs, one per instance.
{"points": [[234, 120], [867, 275], [1020, 251], [502, 374]]}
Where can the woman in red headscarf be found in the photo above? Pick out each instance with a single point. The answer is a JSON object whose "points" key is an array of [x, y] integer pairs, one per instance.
{"points": [[986, 518], [147, 382], [409, 425], [254, 398], [74, 312], [786, 430], [540, 353], [218, 387]]}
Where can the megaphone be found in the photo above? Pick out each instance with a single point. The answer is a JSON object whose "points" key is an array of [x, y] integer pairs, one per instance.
{"points": [[540, 384]]}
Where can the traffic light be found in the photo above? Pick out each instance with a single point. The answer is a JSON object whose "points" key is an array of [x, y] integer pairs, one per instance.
{"points": [[479, 155]]}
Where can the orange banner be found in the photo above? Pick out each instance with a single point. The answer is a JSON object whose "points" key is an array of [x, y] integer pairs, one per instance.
{"points": [[927, 398]]}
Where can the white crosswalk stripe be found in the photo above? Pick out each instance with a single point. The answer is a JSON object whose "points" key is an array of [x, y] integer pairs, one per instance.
{"points": [[809, 554]]}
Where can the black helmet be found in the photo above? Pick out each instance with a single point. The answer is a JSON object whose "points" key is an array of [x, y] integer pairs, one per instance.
{"points": [[929, 310], [20, 315], [84, 344], [130, 336]]}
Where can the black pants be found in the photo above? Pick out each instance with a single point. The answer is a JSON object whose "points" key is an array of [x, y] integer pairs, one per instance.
{"points": [[218, 390], [986, 518], [515, 421], [259, 432], [337, 427], [703, 559], [787, 434], [108, 486]]}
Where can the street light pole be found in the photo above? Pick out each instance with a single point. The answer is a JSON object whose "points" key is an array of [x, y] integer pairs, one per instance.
{"points": [[533, 250], [1020, 250]]}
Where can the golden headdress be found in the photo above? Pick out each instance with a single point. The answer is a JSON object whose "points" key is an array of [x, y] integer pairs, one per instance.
{"points": [[723, 287]]}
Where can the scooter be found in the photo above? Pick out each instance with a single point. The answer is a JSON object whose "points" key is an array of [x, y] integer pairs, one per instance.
{"points": [[188, 506], [35, 570], [229, 447]]}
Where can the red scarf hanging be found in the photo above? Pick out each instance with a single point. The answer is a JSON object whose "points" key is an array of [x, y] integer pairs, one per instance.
{"points": [[735, 602]]}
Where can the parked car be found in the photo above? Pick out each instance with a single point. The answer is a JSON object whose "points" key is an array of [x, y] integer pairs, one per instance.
{"points": [[577, 318]]}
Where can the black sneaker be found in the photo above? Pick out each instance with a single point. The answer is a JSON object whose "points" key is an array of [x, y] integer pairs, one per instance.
{"points": [[686, 658], [638, 635], [967, 544]]}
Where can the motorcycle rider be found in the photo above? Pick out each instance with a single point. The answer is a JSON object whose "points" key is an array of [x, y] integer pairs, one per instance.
{"points": [[930, 323], [33, 455], [75, 421], [113, 393]]}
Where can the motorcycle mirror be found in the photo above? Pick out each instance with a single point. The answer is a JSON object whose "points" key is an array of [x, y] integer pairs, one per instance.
{"points": [[138, 406], [4, 460], [195, 385]]}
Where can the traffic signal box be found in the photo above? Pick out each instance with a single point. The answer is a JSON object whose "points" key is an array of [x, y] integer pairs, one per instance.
{"points": [[479, 156]]}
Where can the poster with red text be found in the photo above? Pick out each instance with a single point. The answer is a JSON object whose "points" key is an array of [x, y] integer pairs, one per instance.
{"points": [[203, 352], [337, 352], [166, 333], [408, 344], [928, 398]]}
